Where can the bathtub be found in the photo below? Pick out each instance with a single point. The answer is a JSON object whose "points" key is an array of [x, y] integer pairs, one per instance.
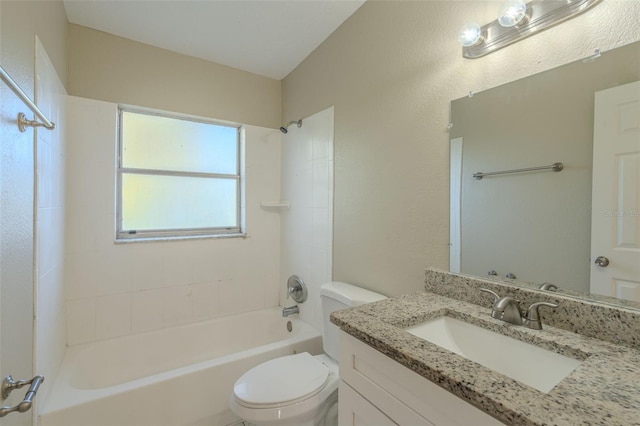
{"points": [[181, 376]]}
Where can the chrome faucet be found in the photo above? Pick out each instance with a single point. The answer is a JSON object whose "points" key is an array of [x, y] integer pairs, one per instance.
{"points": [[507, 309], [290, 310], [548, 286], [532, 318]]}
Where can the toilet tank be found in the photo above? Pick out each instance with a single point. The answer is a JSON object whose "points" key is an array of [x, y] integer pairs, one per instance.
{"points": [[335, 296]]}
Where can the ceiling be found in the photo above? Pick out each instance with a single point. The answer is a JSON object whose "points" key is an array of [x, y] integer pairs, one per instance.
{"points": [[266, 37]]}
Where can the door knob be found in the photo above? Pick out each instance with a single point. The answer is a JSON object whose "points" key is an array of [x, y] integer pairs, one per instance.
{"points": [[602, 261]]}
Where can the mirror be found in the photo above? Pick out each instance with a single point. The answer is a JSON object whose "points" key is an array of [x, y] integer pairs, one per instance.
{"points": [[533, 226]]}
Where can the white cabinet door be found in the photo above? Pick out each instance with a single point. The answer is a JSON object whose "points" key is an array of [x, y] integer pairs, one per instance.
{"points": [[615, 223], [354, 410]]}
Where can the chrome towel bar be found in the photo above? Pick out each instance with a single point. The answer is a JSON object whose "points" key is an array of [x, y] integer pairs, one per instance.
{"points": [[9, 385], [556, 167], [23, 122]]}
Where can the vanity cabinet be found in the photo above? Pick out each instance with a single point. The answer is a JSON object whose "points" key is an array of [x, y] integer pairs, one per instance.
{"points": [[376, 390]]}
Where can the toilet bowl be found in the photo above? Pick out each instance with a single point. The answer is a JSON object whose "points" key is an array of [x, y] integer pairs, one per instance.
{"points": [[300, 389]]}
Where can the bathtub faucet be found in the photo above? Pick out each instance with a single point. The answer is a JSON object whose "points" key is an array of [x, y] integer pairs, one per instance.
{"points": [[290, 310]]}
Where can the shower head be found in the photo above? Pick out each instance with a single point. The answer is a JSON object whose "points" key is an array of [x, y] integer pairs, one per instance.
{"points": [[284, 129]]}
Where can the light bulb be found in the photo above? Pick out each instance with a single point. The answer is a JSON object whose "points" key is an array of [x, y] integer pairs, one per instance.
{"points": [[513, 13], [470, 34]]}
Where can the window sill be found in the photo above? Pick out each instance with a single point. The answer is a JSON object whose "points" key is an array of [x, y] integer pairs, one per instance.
{"points": [[177, 238]]}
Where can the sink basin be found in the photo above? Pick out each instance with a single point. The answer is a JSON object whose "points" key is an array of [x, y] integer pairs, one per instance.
{"points": [[534, 366]]}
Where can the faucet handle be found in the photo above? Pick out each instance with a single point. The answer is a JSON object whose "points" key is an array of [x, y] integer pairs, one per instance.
{"points": [[532, 317], [491, 292]]}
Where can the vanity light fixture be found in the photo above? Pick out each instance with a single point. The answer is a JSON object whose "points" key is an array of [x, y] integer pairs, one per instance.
{"points": [[518, 20]]}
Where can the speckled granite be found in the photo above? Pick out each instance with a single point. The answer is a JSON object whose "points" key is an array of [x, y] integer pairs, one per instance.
{"points": [[615, 324], [604, 390]]}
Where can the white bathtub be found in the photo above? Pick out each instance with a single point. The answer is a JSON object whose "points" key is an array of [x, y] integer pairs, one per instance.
{"points": [[182, 376]]}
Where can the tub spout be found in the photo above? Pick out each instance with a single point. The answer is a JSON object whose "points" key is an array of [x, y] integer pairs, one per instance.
{"points": [[290, 310]]}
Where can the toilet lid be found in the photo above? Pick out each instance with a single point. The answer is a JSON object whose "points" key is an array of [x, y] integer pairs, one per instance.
{"points": [[281, 380]]}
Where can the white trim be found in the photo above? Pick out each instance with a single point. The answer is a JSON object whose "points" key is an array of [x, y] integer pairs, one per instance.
{"points": [[455, 194]]}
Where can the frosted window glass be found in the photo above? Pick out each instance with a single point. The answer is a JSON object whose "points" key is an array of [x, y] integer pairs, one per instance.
{"points": [[163, 143], [176, 202]]}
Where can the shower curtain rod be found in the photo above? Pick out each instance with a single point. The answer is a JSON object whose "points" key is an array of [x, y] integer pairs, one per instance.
{"points": [[23, 121]]}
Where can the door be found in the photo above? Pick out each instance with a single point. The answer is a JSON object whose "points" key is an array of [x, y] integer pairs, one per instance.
{"points": [[615, 215]]}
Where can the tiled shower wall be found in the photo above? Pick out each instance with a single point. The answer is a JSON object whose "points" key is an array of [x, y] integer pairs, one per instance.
{"points": [[307, 226], [119, 289], [49, 217]]}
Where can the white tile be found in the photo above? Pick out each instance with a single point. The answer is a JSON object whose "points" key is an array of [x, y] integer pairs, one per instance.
{"points": [[45, 294], [81, 321], [320, 183], [81, 235], [253, 293], [203, 263], [147, 310], [113, 316], [320, 266], [112, 272], [41, 237], [228, 259], [178, 307], [320, 146], [177, 264], [206, 300], [300, 261], [146, 269], [301, 227], [301, 145], [57, 175], [272, 290], [58, 236], [262, 185], [270, 281], [320, 228], [80, 275], [230, 297], [55, 290], [45, 173]]}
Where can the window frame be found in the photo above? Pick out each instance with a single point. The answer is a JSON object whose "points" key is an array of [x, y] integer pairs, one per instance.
{"points": [[178, 233]]}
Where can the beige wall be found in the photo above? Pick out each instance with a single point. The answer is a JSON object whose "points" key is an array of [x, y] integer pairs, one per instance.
{"points": [[115, 69], [21, 22], [390, 71]]}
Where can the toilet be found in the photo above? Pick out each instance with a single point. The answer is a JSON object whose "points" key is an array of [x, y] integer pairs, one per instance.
{"points": [[300, 389]]}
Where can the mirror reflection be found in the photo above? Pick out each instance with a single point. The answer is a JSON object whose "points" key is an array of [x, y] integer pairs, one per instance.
{"points": [[544, 226]]}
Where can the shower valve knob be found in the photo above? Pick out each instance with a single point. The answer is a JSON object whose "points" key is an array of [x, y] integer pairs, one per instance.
{"points": [[296, 289]]}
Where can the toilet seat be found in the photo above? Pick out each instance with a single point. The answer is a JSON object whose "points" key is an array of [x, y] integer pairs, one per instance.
{"points": [[298, 377]]}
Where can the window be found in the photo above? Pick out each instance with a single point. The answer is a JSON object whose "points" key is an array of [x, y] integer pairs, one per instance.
{"points": [[177, 177]]}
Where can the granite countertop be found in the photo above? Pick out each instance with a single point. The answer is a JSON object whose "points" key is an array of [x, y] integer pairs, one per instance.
{"points": [[603, 390]]}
